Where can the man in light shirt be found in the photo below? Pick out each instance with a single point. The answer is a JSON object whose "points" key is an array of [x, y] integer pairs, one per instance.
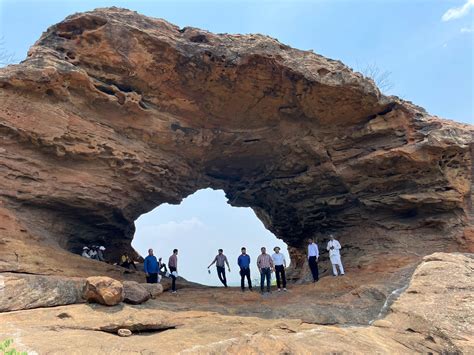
{"points": [[313, 256], [280, 264], [220, 261], [265, 266], [334, 248]]}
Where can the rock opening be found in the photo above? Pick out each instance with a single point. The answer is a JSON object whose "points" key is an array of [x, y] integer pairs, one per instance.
{"points": [[198, 227], [144, 114]]}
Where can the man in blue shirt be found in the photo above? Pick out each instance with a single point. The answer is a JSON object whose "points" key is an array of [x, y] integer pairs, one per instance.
{"points": [[150, 266], [244, 264]]}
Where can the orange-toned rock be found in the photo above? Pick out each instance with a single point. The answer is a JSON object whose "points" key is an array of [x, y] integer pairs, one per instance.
{"points": [[434, 314], [114, 113], [103, 290]]}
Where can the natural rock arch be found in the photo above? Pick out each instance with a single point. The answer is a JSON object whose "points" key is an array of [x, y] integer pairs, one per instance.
{"points": [[114, 113]]}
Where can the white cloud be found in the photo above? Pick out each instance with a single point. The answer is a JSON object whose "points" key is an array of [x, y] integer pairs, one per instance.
{"points": [[467, 30], [172, 228], [458, 12]]}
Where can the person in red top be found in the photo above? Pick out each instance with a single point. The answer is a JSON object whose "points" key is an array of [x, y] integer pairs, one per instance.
{"points": [[173, 266], [265, 265]]}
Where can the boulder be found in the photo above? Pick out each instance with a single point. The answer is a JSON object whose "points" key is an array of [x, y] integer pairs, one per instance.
{"points": [[135, 293], [153, 289], [23, 291], [103, 290]]}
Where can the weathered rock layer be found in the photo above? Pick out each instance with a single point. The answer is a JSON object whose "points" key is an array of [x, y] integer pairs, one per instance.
{"points": [[114, 113], [434, 315]]}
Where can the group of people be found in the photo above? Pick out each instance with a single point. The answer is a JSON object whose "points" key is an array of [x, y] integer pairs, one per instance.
{"points": [[276, 263], [94, 252], [267, 264], [333, 247], [154, 267]]}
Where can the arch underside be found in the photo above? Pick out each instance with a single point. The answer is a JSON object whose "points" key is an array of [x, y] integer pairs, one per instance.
{"points": [[114, 113]]}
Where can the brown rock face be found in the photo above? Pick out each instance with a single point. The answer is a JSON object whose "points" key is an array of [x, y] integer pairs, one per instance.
{"points": [[114, 113], [103, 290], [33, 291], [153, 289], [135, 293]]}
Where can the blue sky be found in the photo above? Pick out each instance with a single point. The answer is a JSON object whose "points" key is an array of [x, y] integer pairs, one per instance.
{"points": [[427, 45], [200, 225]]}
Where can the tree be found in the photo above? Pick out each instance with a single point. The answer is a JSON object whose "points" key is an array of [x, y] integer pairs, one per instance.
{"points": [[5, 56], [382, 78]]}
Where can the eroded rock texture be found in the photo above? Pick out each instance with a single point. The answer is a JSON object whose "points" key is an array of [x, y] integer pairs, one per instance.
{"points": [[114, 113], [434, 315]]}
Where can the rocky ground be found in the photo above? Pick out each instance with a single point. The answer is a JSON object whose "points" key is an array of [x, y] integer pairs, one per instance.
{"points": [[434, 314]]}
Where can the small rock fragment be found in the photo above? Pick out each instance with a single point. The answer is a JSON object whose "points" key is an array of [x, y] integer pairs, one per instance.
{"points": [[124, 332]]}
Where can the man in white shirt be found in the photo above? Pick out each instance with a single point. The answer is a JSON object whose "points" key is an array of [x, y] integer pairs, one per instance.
{"points": [[313, 256], [280, 264], [85, 252], [334, 247]]}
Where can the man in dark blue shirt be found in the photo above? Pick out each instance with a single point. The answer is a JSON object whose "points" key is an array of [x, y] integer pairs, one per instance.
{"points": [[244, 264], [150, 266]]}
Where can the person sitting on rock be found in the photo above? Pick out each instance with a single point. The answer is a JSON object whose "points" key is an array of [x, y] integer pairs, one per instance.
{"points": [[173, 266], [334, 248], [85, 252], [100, 253], [162, 266], [221, 260], [150, 266], [93, 253], [126, 261]]}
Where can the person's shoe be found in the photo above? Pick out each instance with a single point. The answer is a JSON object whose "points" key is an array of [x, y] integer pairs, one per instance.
{"points": [[279, 290], [284, 289], [342, 274], [174, 291], [251, 289]]}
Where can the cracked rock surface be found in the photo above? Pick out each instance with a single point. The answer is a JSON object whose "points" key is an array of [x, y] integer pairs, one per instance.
{"points": [[433, 315]]}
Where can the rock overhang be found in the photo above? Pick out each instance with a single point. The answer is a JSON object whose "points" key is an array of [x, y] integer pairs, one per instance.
{"points": [[114, 113]]}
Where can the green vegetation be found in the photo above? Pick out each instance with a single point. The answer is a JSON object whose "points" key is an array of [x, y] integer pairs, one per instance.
{"points": [[5, 348]]}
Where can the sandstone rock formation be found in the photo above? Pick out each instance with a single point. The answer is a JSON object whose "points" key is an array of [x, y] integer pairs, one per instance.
{"points": [[32, 291], [153, 289], [434, 315], [135, 293], [103, 290], [114, 113]]}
